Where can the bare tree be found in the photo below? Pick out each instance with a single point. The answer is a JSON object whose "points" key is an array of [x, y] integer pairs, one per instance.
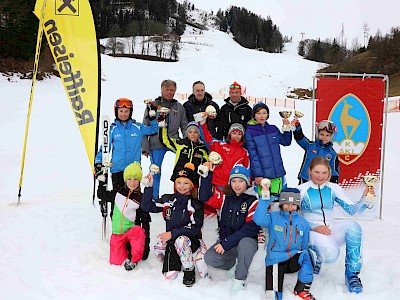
{"points": [[366, 31]]}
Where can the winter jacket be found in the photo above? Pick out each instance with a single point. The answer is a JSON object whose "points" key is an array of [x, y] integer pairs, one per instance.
{"points": [[288, 232], [125, 205], [186, 151], [183, 214], [313, 149], [192, 106], [236, 216], [176, 120], [229, 114], [263, 144], [125, 142], [318, 201], [232, 153]]}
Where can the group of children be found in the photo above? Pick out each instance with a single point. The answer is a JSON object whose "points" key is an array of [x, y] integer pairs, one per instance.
{"points": [[248, 155]]}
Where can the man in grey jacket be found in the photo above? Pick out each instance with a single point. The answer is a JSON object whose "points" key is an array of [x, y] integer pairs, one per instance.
{"points": [[176, 119]]}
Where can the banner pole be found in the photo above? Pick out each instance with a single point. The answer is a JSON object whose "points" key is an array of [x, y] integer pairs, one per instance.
{"points": [[35, 70]]}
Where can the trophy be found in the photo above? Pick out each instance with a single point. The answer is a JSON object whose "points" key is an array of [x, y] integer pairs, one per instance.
{"points": [[152, 107], [370, 181], [214, 158], [102, 177], [162, 117], [265, 184], [285, 115], [154, 169], [211, 111], [200, 116], [297, 115]]}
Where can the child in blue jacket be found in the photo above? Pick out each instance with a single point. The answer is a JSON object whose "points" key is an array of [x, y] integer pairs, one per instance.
{"points": [[321, 147], [238, 232], [287, 249], [125, 139], [263, 142]]}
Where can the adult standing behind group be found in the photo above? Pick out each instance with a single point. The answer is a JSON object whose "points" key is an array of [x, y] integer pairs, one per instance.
{"points": [[235, 110], [176, 119], [198, 102]]}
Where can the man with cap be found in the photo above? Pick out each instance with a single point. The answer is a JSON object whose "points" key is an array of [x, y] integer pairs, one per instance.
{"points": [[235, 110], [287, 249]]}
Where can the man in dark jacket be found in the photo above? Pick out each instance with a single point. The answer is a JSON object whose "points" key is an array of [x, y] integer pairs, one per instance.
{"points": [[235, 110], [198, 102]]}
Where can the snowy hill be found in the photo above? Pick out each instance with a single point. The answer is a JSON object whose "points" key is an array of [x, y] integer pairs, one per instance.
{"points": [[51, 244]]}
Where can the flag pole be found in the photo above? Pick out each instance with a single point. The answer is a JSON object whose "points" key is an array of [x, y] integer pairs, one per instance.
{"points": [[35, 70]]}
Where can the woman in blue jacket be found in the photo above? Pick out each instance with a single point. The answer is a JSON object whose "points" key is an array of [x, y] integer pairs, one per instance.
{"points": [[287, 248], [263, 143]]}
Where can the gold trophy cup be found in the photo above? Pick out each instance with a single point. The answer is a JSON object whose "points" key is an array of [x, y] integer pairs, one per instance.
{"points": [[214, 158], [370, 181], [154, 169], [285, 115]]}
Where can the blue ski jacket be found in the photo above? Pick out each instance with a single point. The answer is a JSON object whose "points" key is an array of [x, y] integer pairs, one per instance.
{"points": [[313, 149], [288, 232], [125, 142], [263, 144], [317, 202]]}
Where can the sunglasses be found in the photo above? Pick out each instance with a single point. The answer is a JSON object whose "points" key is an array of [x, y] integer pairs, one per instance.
{"points": [[123, 102], [234, 86], [326, 125]]}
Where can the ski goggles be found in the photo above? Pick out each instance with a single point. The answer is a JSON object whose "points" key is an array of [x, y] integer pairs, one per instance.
{"points": [[123, 102], [326, 125], [235, 87]]}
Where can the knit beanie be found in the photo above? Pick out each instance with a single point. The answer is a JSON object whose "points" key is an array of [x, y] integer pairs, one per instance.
{"points": [[239, 171], [259, 106], [133, 171], [290, 196], [236, 127], [188, 173], [235, 86], [192, 125]]}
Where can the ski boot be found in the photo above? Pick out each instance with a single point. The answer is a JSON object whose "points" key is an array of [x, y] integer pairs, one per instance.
{"points": [[129, 266], [237, 286], [302, 290], [189, 277], [353, 282]]}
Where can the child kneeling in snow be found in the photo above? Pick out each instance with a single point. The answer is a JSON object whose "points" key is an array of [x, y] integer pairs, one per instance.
{"points": [[287, 250], [238, 232], [125, 201], [183, 215]]}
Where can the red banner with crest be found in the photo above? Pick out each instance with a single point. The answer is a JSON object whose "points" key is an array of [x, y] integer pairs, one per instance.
{"points": [[356, 106]]}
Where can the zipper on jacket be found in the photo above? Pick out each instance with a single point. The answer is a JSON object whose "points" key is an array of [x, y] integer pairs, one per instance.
{"points": [[122, 212], [322, 204], [291, 233]]}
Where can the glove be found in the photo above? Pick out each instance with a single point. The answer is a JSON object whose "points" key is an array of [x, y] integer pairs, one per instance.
{"points": [[152, 111], [98, 170]]}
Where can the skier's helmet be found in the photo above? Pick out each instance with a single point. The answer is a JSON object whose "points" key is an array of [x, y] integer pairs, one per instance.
{"points": [[326, 125], [123, 102]]}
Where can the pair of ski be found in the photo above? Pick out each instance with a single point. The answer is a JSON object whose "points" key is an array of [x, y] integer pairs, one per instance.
{"points": [[105, 178]]}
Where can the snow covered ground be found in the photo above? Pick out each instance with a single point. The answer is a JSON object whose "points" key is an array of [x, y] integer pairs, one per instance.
{"points": [[50, 245]]}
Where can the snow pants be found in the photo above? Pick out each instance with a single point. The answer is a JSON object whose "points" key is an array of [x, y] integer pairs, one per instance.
{"points": [[302, 262], [327, 247], [118, 252], [185, 252], [243, 252]]}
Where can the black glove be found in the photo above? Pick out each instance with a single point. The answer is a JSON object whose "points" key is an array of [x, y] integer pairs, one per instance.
{"points": [[98, 170]]}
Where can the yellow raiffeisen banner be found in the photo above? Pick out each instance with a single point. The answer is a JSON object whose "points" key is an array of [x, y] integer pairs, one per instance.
{"points": [[69, 28]]}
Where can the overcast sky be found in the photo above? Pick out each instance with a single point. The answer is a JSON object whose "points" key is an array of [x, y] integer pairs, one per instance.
{"points": [[319, 18]]}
